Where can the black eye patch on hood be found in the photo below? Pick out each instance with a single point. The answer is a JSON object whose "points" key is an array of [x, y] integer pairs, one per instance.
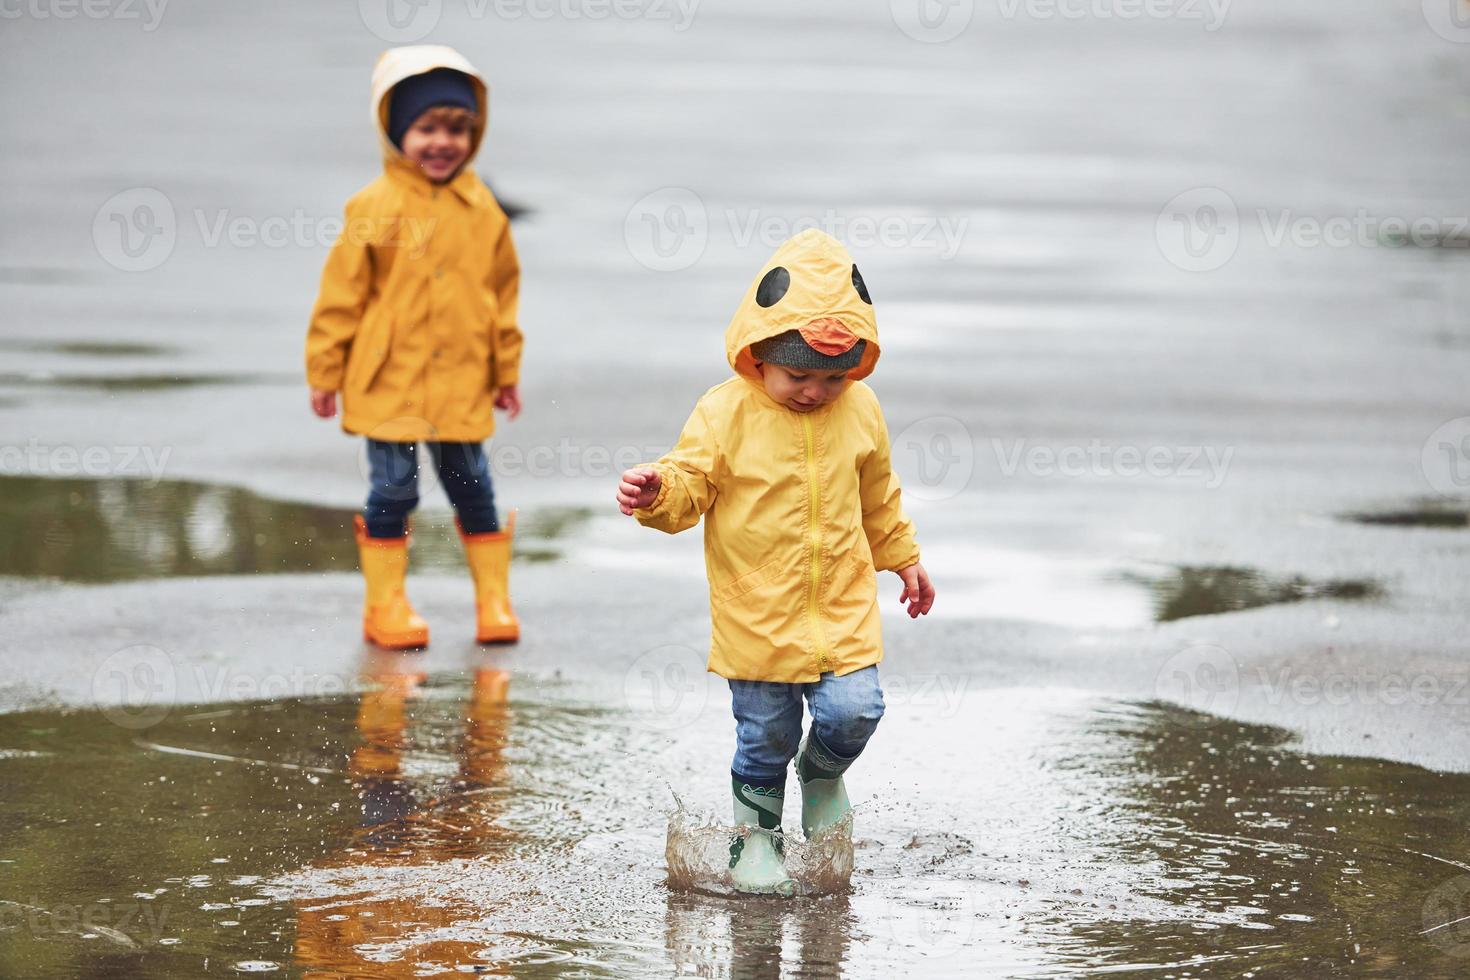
{"points": [[860, 286], [773, 286]]}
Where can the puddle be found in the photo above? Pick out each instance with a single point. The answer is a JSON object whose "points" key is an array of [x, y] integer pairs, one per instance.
{"points": [[88, 348], [113, 530], [472, 822], [1203, 590], [139, 382], [1426, 514]]}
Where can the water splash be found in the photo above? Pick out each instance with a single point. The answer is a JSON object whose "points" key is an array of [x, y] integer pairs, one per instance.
{"points": [[697, 855]]}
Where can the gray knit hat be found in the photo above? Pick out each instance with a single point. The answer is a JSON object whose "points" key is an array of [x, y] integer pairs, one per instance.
{"points": [[789, 349]]}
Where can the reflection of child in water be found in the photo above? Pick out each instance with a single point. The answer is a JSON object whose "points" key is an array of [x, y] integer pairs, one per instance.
{"points": [[399, 830], [788, 464]]}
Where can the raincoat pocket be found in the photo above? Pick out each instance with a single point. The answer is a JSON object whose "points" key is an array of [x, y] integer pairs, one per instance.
{"points": [[370, 351], [755, 578]]}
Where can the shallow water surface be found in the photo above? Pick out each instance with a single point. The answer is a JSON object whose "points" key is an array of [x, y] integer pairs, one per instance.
{"points": [[477, 821]]}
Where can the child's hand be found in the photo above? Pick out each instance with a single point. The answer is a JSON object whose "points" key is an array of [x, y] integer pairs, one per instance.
{"points": [[638, 489], [509, 399], [323, 402], [918, 591]]}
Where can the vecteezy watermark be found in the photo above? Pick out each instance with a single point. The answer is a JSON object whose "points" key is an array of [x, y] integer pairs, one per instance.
{"points": [[941, 924], [936, 695], [1445, 459], [1207, 464], [932, 21], [400, 463], [135, 230], [1446, 916], [666, 688], [1289, 685], [1202, 677], [1450, 19], [147, 13], [138, 686], [934, 457], [64, 460], [1201, 229], [405, 21], [138, 229], [1210, 13], [124, 923], [135, 686], [669, 229]]}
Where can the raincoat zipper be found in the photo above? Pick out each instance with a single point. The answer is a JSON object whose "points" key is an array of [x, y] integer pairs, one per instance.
{"points": [[814, 513]]}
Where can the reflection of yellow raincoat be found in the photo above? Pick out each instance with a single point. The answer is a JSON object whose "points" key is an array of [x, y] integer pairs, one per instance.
{"points": [[416, 319], [799, 508]]}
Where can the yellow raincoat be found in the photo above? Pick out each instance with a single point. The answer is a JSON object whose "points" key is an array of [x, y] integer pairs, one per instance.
{"points": [[415, 322], [799, 508]]}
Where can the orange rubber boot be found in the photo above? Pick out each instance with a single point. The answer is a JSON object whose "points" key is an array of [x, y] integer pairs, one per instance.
{"points": [[387, 618], [488, 556]]}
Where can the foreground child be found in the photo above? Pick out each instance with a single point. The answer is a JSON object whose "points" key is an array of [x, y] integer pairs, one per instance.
{"points": [[788, 462], [416, 326]]}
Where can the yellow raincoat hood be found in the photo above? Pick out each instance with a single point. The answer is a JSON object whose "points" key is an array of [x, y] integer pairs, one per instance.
{"points": [[396, 64], [799, 508], [823, 281]]}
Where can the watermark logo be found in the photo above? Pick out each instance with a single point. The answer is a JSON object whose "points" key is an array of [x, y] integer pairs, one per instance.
{"points": [[148, 13], [1210, 13], [1445, 459], [934, 457], [1208, 465], [667, 230], [135, 686], [667, 688], [1446, 917], [1450, 19], [135, 230], [932, 21], [942, 925], [1199, 230], [1201, 677], [400, 21]]}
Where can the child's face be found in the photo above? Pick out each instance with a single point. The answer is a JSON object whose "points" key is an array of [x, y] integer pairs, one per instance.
{"points": [[801, 389], [438, 142]]}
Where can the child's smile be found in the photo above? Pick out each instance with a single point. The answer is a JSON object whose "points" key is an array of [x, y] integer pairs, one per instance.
{"points": [[438, 146]]}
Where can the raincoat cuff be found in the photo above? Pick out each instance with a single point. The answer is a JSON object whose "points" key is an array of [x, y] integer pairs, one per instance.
{"points": [[905, 563], [324, 381], [663, 491], [505, 377]]}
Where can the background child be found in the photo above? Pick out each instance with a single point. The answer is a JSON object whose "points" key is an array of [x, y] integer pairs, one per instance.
{"points": [[788, 462], [416, 325]]}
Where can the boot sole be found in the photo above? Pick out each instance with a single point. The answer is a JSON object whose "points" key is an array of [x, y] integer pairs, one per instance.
{"points": [[401, 641], [512, 636]]}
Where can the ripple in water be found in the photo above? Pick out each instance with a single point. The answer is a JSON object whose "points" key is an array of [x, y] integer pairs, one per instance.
{"points": [[697, 854]]}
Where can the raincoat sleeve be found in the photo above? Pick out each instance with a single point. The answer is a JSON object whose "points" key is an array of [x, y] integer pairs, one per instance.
{"points": [[889, 530], [505, 280], [340, 302], [687, 473]]}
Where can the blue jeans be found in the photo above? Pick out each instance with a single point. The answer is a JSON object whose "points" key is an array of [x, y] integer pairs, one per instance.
{"points": [[845, 712], [394, 475]]}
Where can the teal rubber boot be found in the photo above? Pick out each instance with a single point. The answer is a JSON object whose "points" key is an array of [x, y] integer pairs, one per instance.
{"points": [[823, 795], [756, 862]]}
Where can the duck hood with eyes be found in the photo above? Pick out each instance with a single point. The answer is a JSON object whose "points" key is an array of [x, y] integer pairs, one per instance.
{"points": [[397, 64], [810, 278]]}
